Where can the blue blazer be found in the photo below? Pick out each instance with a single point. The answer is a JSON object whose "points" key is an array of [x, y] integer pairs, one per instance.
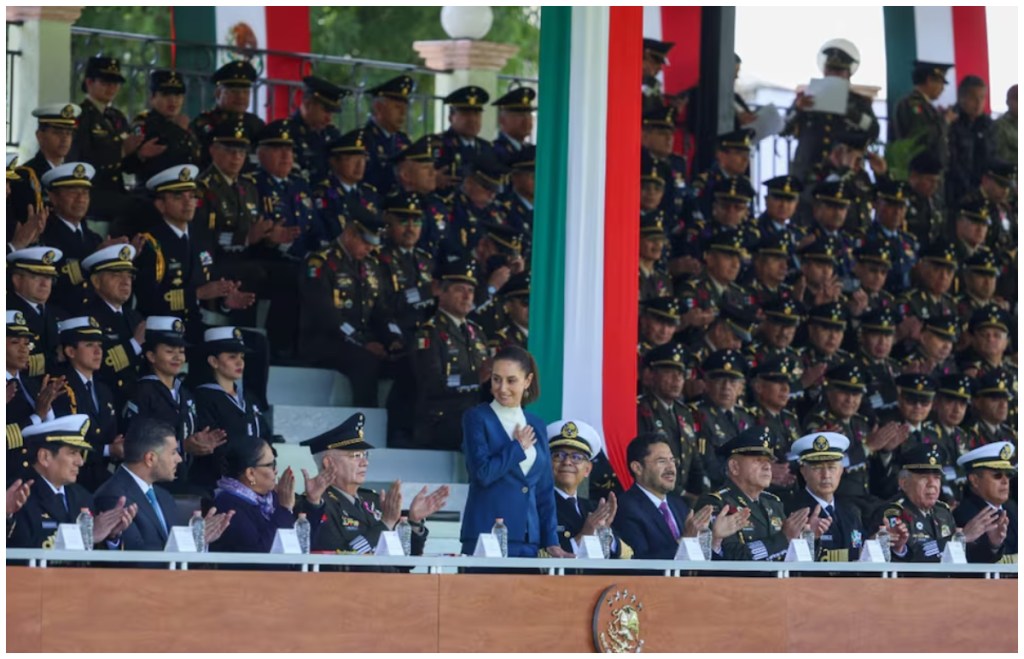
{"points": [[146, 533], [641, 526], [498, 487]]}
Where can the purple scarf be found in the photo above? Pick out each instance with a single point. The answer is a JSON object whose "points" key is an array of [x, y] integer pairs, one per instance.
{"points": [[265, 502]]}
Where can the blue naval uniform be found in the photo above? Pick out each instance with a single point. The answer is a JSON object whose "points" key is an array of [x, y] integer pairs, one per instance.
{"points": [[505, 147], [437, 220], [465, 232], [465, 152], [312, 148], [518, 215], [769, 228], [334, 201], [291, 200], [381, 146], [903, 251]]}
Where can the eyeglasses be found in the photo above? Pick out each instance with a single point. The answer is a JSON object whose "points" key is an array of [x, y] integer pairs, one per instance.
{"points": [[999, 475], [661, 463], [358, 456], [562, 456], [272, 464]]}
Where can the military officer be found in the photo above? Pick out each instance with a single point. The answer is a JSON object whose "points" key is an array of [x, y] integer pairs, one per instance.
{"points": [[515, 122], [475, 204], [926, 218], [818, 258], [717, 285], [659, 320], [826, 326], [915, 394], [660, 409], [933, 297], [831, 203], [891, 198], [779, 207], [774, 338], [766, 280], [970, 229], [518, 197], [732, 159], [54, 135], [164, 121], [343, 188], [314, 126], [989, 336], [927, 518], [285, 196], [70, 186], [875, 339], [747, 458], [384, 135], [415, 173], [659, 126], [655, 57], [980, 276], [233, 98], [33, 271], [989, 470], [498, 256], [730, 330], [950, 409], [990, 409], [450, 361], [654, 282], [462, 141], [718, 416], [871, 267], [515, 297], [916, 117], [406, 269], [933, 353], [996, 184], [771, 381], [344, 320]]}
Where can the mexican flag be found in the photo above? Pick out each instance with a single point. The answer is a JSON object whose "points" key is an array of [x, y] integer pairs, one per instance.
{"points": [[583, 306], [284, 29]]}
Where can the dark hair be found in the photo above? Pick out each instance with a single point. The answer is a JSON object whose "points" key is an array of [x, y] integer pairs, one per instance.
{"points": [[242, 453], [920, 76], [969, 83], [526, 362], [640, 447], [145, 435]]}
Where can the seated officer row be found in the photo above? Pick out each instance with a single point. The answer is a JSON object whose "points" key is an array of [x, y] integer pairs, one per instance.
{"points": [[134, 512]]}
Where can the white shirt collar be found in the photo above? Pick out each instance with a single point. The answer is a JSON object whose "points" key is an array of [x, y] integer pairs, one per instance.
{"points": [[34, 305], [178, 232], [528, 204], [516, 144], [564, 494], [822, 501], [84, 379], [458, 323], [381, 128], [75, 228], [112, 307], [143, 485], [655, 499], [522, 329], [56, 490]]}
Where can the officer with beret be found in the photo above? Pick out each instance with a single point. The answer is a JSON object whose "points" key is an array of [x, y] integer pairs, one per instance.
{"points": [[515, 296], [517, 200], [174, 266], [81, 345], [574, 445], [451, 360], [69, 187], [515, 122], [57, 123], [285, 196], [314, 126], [56, 450], [658, 133], [660, 409], [474, 202], [914, 396], [927, 518], [344, 320], [385, 137], [732, 159], [770, 384], [990, 408], [353, 517], [233, 98], [111, 275], [654, 281], [926, 216], [462, 139], [102, 137], [747, 459], [821, 455], [915, 116], [164, 122], [415, 173], [655, 57], [934, 295], [891, 200], [875, 334], [950, 409], [987, 506], [933, 352], [872, 267], [343, 188], [718, 416], [32, 273], [766, 280]]}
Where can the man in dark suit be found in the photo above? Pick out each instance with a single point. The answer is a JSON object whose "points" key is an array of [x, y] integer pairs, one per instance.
{"points": [[57, 451], [573, 445], [836, 523], [151, 456], [987, 514], [32, 273], [81, 341]]}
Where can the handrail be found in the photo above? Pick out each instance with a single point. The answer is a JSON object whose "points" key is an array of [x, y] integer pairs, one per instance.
{"points": [[41, 557]]}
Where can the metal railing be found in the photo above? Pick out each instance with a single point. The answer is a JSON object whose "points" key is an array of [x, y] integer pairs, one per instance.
{"points": [[42, 558]]}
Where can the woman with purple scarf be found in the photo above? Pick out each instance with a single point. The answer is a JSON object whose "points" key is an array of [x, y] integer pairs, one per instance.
{"points": [[262, 503]]}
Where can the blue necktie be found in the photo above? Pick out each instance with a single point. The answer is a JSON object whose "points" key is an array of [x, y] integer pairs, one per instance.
{"points": [[64, 500], [151, 495]]}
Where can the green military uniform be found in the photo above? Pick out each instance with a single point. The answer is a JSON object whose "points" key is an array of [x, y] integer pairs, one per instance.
{"points": [[916, 118], [716, 426], [227, 209], [234, 74], [924, 305], [509, 335], [929, 530], [182, 145]]}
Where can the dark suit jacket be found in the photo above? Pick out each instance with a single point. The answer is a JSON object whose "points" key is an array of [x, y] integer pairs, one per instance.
{"points": [[570, 521], [214, 408], [146, 533], [120, 370], [44, 327], [981, 550], [19, 412], [72, 289], [249, 531], [35, 525], [103, 425], [640, 524], [845, 536]]}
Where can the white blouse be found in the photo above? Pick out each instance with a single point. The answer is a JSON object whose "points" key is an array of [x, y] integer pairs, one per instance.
{"points": [[511, 417]]}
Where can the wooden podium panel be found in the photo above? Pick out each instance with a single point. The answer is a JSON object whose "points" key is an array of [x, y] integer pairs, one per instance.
{"points": [[125, 610]]}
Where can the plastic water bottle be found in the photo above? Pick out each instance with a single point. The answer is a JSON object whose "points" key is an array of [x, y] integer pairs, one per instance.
{"points": [[883, 542], [500, 532], [198, 527], [85, 526], [605, 535], [302, 532], [808, 536], [704, 539], [959, 536], [404, 529]]}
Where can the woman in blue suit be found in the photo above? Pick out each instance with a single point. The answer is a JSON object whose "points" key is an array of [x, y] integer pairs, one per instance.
{"points": [[509, 470]]}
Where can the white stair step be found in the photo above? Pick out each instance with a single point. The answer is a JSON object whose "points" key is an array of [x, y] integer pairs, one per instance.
{"points": [[297, 423]]}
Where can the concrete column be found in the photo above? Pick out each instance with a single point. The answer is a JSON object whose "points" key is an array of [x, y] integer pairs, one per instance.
{"points": [[42, 73], [466, 62]]}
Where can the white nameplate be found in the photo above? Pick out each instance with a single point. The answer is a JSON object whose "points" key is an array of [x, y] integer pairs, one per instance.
{"points": [[69, 536], [389, 544], [487, 546], [180, 540], [689, 550], [799, 552], [871, 552], [953, 553], [286, 541], [590, 547]]}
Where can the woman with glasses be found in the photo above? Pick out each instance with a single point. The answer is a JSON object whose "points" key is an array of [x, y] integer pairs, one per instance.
{"points": [[509, 470]]}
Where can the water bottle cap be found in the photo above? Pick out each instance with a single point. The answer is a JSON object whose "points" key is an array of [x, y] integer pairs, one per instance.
{"points": [[302, 515], [403, 519], [197, 512], [85, 510], [499, 520]]}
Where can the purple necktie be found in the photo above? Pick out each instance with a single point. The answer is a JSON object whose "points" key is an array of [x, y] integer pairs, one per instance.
{"points": [[667, 514]]}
